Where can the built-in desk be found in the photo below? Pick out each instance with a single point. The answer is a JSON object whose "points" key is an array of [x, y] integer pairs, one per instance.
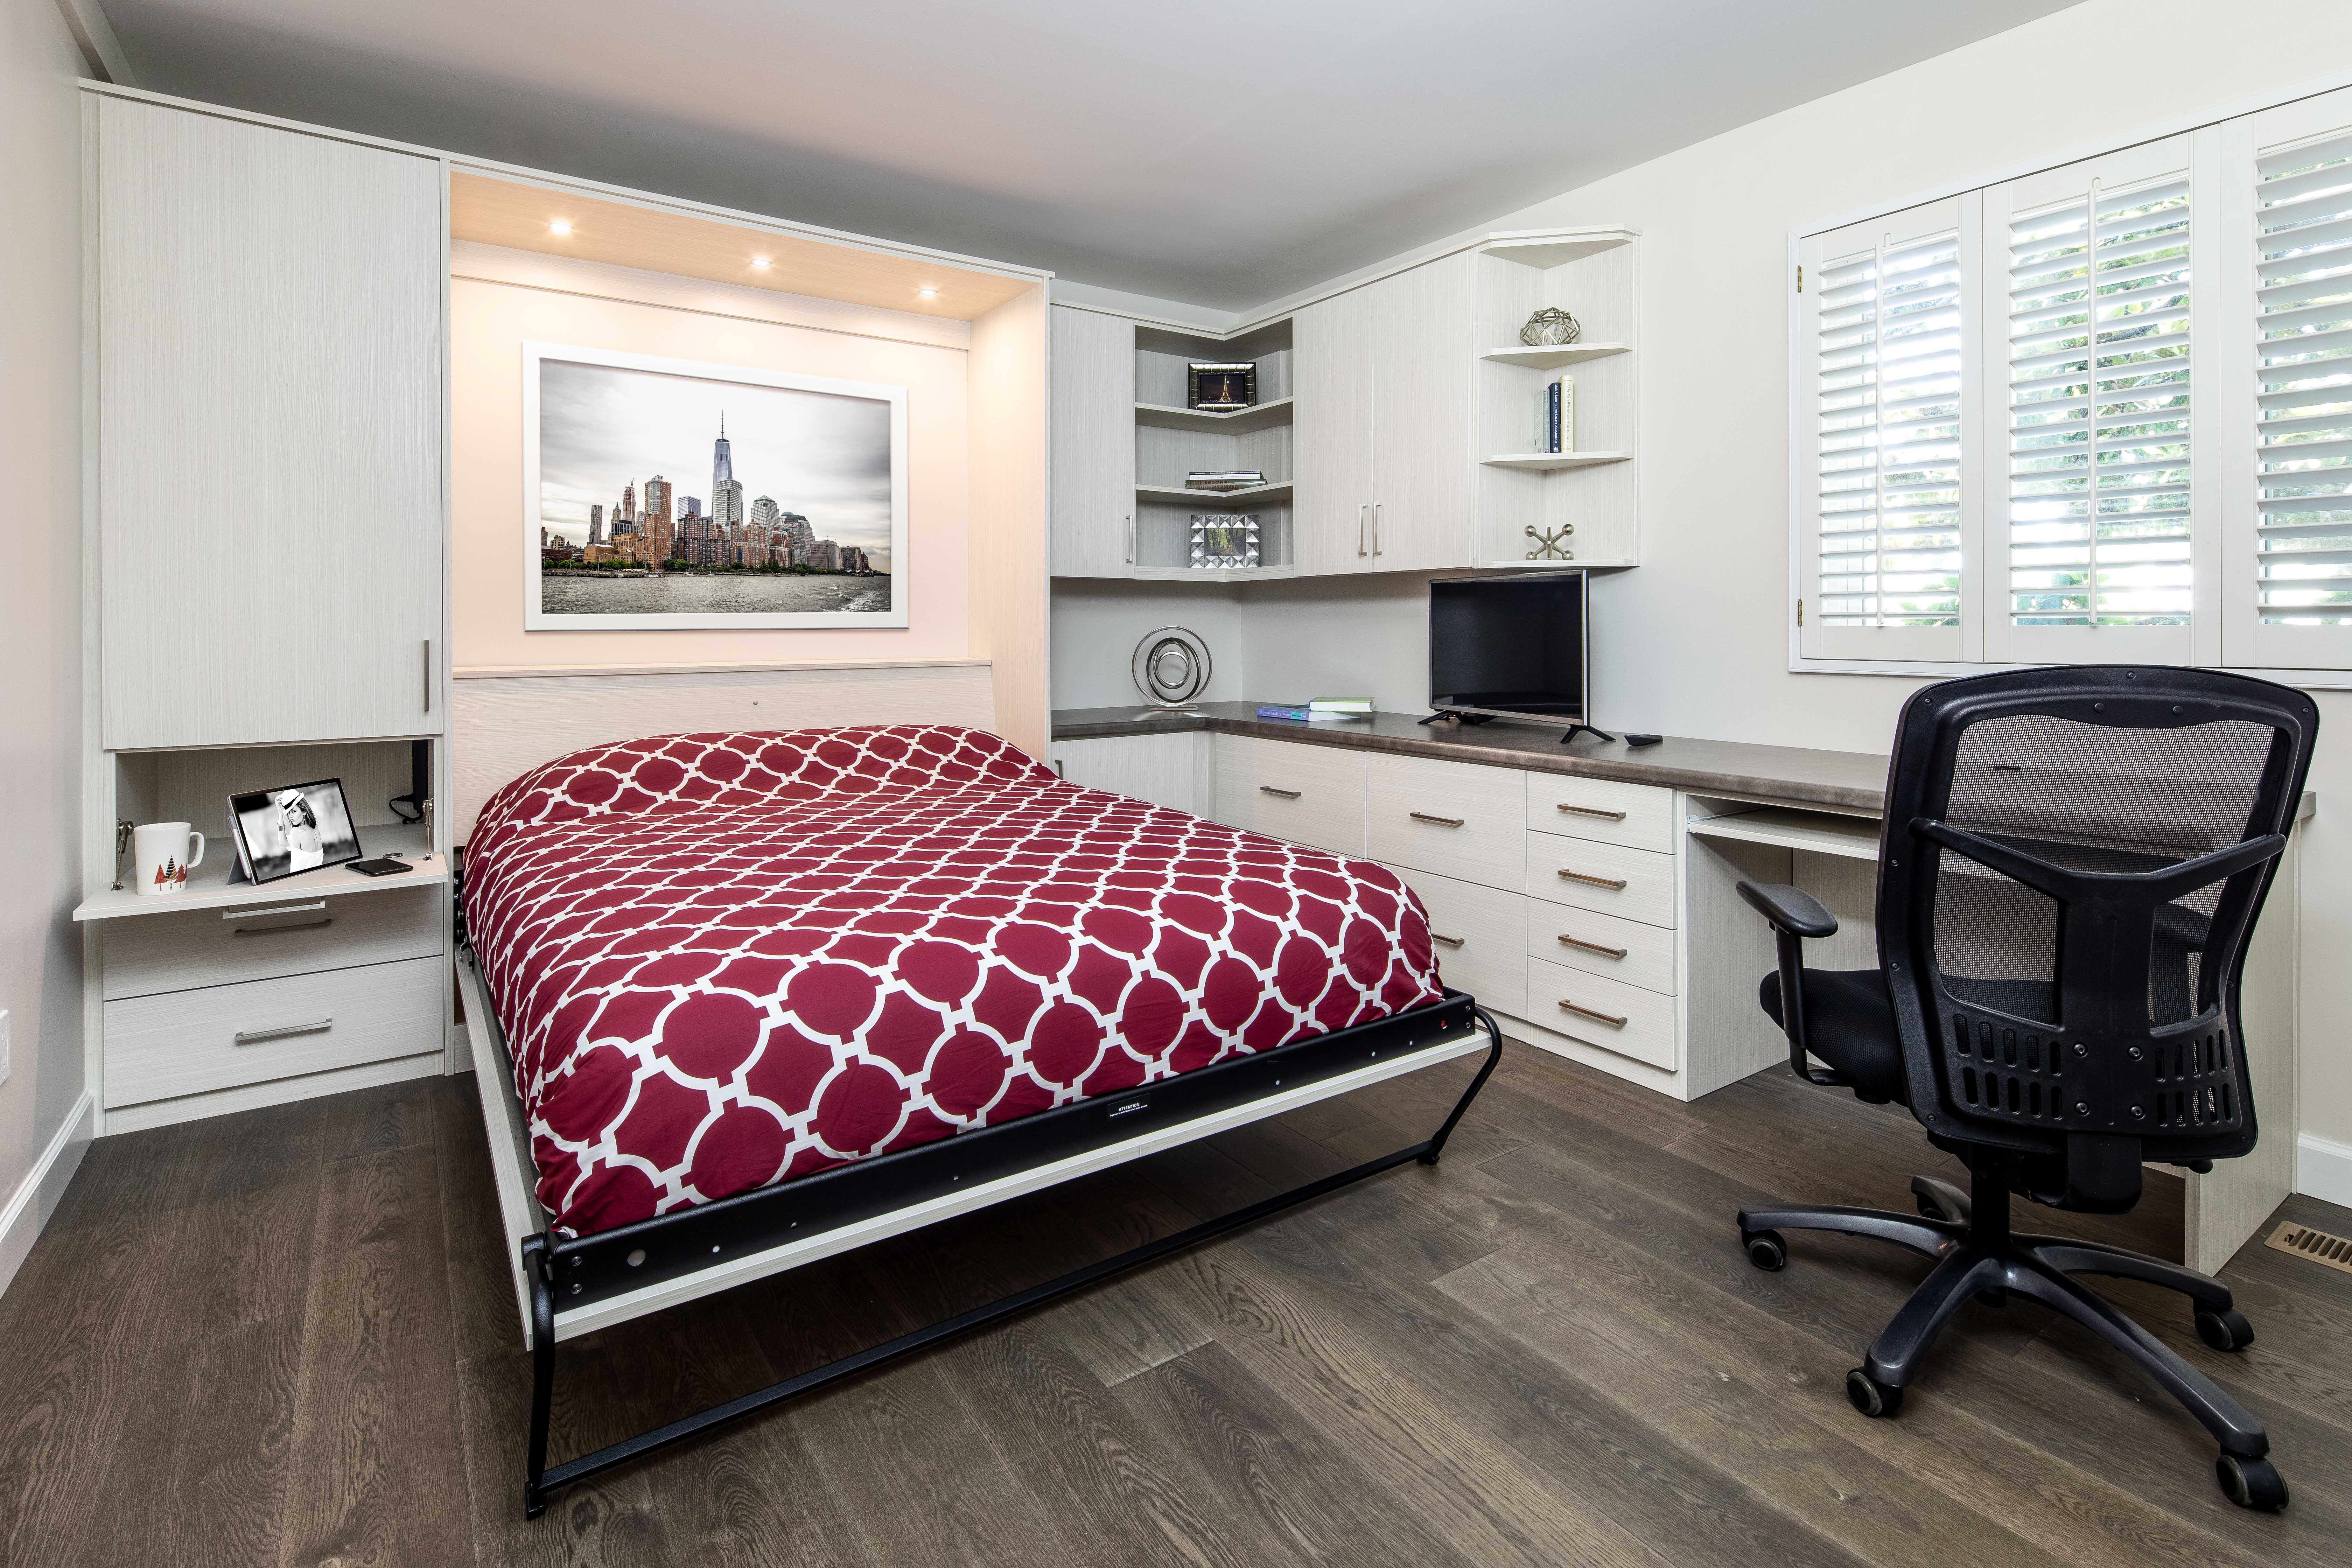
{"points": [[1588, 897]]}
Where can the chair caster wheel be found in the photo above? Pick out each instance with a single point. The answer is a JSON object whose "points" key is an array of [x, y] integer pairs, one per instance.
{"points": [[1767, 1251], [2225, 1330], [2251, 1483], [1871, 1396]]}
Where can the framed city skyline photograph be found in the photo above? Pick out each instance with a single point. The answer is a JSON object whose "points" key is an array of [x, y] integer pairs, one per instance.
{"points": [[681, 495]]}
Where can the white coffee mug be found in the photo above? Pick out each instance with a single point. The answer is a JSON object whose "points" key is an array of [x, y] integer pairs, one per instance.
{"points": [[162, 855]]}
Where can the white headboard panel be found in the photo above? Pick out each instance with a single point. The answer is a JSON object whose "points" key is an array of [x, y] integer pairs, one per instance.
{"points": [[503, 723]]}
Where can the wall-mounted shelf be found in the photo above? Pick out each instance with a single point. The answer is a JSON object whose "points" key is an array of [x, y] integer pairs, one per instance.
{"points": [[1238, 420], [1555, 355], [1541, 462], [210, 888], [1545, 251], [1183, 494]]}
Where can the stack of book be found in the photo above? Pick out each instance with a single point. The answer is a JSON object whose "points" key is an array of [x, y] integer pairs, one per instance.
{"points": [[1223, 478], [1556, 415], [1317, 708]]}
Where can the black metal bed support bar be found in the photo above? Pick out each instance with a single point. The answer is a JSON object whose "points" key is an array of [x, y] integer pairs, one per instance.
{"points": [[538, 1261]]}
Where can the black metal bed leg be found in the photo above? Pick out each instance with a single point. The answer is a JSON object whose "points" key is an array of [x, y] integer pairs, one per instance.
{"points": [[536, 1265], [1494, 1055]]}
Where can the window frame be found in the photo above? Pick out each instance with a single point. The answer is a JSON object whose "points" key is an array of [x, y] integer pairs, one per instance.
{"points": [[2223, 272]]}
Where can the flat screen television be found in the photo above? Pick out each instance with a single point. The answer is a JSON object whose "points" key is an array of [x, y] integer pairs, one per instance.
{"points": [[1509, 647]]}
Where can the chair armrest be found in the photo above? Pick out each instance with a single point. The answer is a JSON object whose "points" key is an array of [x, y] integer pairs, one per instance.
{"points": [[1793, 909]]}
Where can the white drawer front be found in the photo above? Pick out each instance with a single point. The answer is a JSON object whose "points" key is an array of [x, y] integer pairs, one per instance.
{"points": [[1480, 935], [292, 936], [1614, 949], [1309, 795], [1641, 817], [185, 1042], [1609, 1014], [1453, 818], [1607, 878]]}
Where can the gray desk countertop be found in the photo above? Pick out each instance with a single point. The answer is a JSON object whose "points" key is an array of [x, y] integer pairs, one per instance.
{"points": [[1843, 781]]}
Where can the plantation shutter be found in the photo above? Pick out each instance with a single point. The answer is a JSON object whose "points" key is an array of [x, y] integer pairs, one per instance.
{"points": [[1885, 414], [2290, 506], [2088, 278]]}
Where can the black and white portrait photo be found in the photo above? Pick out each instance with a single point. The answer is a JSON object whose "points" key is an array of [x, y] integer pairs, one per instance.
{"points": [[300, 828], [674, 494]]}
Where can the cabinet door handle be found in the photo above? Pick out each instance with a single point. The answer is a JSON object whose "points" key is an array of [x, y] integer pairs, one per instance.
{"points": [[1440, 821], [280, 909], [1614, 1020], [1376, 526], [1284, 793], [1130, 518], [429, 675], [1448, 941], [316, 1026], [1614, 883], [1590, 811], [1362, 513], [1591, 946]]}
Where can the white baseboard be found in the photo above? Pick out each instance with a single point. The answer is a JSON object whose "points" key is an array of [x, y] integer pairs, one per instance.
{"points": [[2323, 1169], [36, 1198]]}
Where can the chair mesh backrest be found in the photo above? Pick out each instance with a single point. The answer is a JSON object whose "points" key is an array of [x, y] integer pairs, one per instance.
{"points": [[2037, 1017], [2090, 798]]}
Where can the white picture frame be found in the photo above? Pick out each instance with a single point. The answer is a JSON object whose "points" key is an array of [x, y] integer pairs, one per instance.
{"points": [[537, 617]]}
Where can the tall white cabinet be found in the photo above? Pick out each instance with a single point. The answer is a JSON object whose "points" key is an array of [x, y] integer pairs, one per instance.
{"points": [[267, 526], [270, 469]]}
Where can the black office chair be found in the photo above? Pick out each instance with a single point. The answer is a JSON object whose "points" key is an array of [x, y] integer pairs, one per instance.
{"points": [[2071, 867]]}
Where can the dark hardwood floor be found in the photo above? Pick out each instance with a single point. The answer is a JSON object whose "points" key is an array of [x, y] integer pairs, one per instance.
{"points": [[288, 1337]]}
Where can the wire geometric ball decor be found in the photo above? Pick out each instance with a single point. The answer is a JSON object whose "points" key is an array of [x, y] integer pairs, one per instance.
{"points": [[1170, 667]]}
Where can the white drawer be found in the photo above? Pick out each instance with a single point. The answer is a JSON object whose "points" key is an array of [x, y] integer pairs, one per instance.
{"points": [[1614, 949], [295, 935], [1480, 935], [1609, 1014], [1453, 818], [1309, 795], [1607, 878], [1641, 817], [185, 1042]]}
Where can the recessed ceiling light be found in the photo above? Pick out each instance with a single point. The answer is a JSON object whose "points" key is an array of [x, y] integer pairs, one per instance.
{"points": [[927, 293], [759, 264], [559, 228]]}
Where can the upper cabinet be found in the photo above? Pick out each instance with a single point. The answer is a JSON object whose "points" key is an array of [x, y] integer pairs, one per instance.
{"points": [[1401, 424], [269, 432]]}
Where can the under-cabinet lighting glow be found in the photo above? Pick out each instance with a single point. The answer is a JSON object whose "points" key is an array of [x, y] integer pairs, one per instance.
{"points": [[559, 228], [759, 264], [927, 293]]}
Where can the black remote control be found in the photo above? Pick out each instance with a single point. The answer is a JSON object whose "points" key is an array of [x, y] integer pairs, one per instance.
{"points": [[1634, 739]]}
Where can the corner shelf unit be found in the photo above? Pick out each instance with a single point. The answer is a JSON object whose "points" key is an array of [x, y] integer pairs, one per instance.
{"points": [[1593, 491], [1171, 441]]}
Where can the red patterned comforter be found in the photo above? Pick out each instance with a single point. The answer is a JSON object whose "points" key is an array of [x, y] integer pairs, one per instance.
{"points": [[725, 960]]}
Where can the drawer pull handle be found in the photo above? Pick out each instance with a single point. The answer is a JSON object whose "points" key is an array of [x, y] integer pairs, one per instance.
{"points": [[1440, 821], [1611, 1019], [316, 1026], [1284, 793], [280, 909], [1448, 941], [273, 930], [1590, 811], [1616, 884], [1593, 946]]}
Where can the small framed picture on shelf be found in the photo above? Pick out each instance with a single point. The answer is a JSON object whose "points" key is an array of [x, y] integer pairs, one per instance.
{"points": [[1221, 388], [1223, 541], [293, 828]]}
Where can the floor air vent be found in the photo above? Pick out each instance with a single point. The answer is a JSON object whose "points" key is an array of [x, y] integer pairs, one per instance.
{"points": [[2334, 1251]]}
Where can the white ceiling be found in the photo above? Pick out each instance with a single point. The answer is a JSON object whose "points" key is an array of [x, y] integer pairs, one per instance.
{"points": [[1218, 152]]}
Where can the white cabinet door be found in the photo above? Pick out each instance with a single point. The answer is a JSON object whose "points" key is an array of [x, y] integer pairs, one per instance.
{"points": [[269, 463], [1094, 444], [1420, 341], [1383, 423]]}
